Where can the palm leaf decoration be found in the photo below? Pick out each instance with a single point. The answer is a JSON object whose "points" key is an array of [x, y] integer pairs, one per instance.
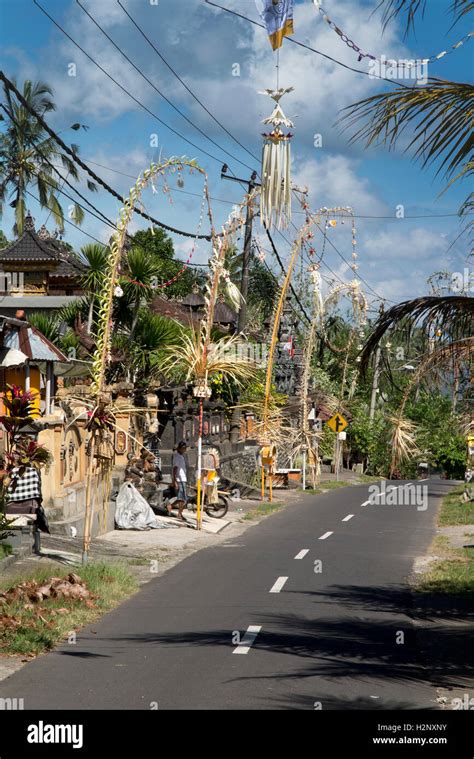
{"points": [[402, 441], [190, 360]]}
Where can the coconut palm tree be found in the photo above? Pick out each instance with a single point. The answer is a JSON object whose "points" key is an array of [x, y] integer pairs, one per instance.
{"points": [[27, 156], [450, 320], [438, 114]]}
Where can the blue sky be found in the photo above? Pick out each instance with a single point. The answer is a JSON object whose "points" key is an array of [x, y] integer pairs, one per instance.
{"points": [[203, 45]]}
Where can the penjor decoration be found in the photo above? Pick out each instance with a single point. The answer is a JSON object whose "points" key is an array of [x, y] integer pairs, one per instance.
{"points": [[275, 196]]}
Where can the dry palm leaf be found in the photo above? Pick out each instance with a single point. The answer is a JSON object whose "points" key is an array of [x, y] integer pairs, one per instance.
{"points": [[190, 359]]}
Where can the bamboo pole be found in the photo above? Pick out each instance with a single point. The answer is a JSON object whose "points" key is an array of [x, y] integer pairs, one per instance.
{"points": [[276, 324], [88, 510], [199, 468]]}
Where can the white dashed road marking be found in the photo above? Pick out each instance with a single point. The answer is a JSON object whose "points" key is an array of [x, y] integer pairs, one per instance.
{"points": [[278, 585], [249, 636], [326, 535], [302, 553], [346, 519]]}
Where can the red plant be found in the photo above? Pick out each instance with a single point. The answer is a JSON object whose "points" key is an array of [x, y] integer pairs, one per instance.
{"points": [[19, 404]]}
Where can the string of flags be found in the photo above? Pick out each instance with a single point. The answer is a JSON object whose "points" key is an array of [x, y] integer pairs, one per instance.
{"points": [[363, 54]]}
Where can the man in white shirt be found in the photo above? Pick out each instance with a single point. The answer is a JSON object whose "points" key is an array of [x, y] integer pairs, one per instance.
{"points": [[179, 478]]}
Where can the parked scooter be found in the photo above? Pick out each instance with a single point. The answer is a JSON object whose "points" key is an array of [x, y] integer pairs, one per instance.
{"points": [[216, 510]]}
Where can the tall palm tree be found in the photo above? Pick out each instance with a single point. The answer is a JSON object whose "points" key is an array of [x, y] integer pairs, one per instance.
{"points": [[95, 257], [438, 113], [140, 272], [27, 155]]}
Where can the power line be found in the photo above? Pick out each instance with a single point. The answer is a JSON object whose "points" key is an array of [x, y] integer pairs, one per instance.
{"points": [[308, 47], [86, 168], [45, 205], [109, 76], [66, 220], [178, 110], [102, 217], [185, 85], [295, 213], [348, 263], [64, 179], [295, 295]]}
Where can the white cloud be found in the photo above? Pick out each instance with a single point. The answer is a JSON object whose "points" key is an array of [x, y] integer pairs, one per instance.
{"points": [[333, 181]]}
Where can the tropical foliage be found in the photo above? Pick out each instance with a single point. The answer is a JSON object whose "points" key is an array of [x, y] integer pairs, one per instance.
{"points": [[28, 155], [435, 118]]}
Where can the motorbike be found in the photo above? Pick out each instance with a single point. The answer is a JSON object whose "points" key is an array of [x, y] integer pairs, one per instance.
{"points": [[216, 510]]}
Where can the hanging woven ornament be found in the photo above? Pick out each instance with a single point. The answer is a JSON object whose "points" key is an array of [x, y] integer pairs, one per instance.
{"points": [[275, 196]]}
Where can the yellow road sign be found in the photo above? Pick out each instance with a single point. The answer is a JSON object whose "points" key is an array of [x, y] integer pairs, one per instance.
{"points": [[337, 423]]}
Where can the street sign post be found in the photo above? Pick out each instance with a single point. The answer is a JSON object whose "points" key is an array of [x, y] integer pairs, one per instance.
{"points": [[337, 424]]}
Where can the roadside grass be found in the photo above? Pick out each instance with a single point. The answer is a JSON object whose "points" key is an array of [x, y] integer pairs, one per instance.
{"points": [[454, 511], [263, 509], [30, 629], [369, 478], [325, 486], [453, 572]]}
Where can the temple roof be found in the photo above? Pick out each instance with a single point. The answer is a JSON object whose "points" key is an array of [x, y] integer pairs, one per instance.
{"points": [[173, 310], [224, 314], [40, 247], [193, 300]]}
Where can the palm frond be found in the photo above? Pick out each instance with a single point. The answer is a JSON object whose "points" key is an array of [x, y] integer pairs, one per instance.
{"points": [[454, 314], [47, 324], [440, 114], [412, 8], [394, 8]]}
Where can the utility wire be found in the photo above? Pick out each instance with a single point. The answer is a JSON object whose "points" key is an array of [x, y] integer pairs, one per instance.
{"points": [[295, 213], [45, 205], [120, 86], [185, 85], [178, 110], [86, 168], [98, 215], [64, 179], [308, 47]]}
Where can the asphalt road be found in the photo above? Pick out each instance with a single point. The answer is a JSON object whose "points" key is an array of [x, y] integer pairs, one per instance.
{"points": [[338, 637]]}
